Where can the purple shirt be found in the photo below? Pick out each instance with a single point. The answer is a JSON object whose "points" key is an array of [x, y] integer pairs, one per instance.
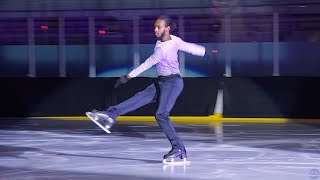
{"points": [[165, 56]]}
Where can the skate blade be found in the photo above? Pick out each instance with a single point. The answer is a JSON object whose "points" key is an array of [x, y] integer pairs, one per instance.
{"points": [[184, 162], [92, 117]]}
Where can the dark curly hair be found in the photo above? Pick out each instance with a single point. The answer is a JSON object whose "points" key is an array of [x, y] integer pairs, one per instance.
{"points": [[169, 22]]}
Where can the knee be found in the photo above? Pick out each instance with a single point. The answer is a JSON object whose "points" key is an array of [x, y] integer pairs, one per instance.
{"points": [[146, 91], [162, 116]]}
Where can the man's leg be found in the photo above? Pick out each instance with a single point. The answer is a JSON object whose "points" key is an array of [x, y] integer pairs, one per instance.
{"points": [[138, 100], [169, 91], [105, 119]]}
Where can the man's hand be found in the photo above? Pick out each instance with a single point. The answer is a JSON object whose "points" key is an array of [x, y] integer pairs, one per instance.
{"points": [[211, 56], [210, 53], [121, 80]]}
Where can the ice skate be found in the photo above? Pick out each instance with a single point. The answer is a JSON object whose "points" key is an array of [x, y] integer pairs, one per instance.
{"points": [[101, 119], [176, 157]]}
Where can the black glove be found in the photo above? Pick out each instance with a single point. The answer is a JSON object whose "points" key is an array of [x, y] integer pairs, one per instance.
{"points": [[121, 80], [209, 54]]}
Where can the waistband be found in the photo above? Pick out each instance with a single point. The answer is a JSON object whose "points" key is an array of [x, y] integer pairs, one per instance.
{"points": [[169, 76]]}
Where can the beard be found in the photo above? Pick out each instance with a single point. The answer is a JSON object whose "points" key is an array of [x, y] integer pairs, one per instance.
{"points": [[161, 36]]}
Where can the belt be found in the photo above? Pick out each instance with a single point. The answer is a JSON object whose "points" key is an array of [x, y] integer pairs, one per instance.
{"points": [[170, 76]]}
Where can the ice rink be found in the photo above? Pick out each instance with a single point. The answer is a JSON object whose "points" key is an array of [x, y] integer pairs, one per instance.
{"points": [[70, 149]]}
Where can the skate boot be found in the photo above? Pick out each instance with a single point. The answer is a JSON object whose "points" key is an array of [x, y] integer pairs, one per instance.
{"points": [[176, 157], [102, 119]]}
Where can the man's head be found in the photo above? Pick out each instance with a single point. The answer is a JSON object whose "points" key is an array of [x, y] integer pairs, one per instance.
{"points": [[162, 27]]}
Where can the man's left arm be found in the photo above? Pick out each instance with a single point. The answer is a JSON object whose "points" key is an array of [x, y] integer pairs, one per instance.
{"points": [[191, 48], [195, 49]]}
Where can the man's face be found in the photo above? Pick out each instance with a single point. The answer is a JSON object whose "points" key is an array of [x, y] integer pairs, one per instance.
{"points": [[160, 28]]}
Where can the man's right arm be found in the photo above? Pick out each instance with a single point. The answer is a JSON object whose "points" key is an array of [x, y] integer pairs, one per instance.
{"points": [[152, 60], [156, 57]]}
